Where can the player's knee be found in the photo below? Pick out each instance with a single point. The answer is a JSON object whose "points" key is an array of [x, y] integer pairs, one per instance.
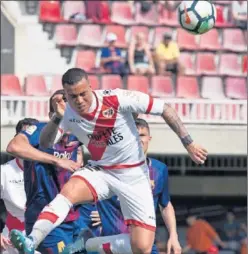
{"points": [[141, 247]]}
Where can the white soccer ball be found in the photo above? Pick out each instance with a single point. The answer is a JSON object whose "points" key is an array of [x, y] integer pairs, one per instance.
{"points": [[197, 17]]}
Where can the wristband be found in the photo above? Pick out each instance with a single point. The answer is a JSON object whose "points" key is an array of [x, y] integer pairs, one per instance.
{"points": [[56, 119], [187, 140]]}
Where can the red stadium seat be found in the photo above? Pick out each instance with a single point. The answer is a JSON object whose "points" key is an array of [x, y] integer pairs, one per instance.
{"points": [[94, 82], [66, 35], [158, 35], [90, 35], [186, 59], [35, 86], [205, 64], [221, 20], [139, 29], [56, 83], [229, 65], [210, 40], [168, 18], [122, 13], [49, 11], [186, 40], [187, 87], [244, 64], [86, 59], [149, 18], [111, 82], [72, 7], [138, 83], [105, 13], [212, 88], [10, 85], [234, 40], [162, 86], [120, 33], [236, 88]]}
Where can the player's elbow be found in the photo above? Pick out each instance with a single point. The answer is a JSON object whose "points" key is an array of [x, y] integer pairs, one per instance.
{"points": [[13, 147]]}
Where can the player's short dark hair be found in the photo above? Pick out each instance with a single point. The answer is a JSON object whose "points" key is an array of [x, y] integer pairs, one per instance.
{"points": [[60, 91], [141, 123], [25, 122], [73, 76]]}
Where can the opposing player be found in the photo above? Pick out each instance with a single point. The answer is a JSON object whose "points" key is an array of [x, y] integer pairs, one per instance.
{"points": [[103, 121], [12, 182], [115, 236], [43, 181]]}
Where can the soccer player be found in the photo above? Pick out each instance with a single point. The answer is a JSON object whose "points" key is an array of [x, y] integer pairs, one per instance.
{"points": [[43, 181], [103, 121], [114, 231], [12, 182]]}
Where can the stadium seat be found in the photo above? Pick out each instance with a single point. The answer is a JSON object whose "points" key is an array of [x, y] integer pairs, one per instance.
{"points": [[122, 13], [212, 88], [186, 40], [187, 87], [221, 20], [236, 88], [138, 83], [105, 13], [139, 29], [10, 85], [186, 59], [73, 7], [66, 35], [229, 65], [111, 82], [56, 83], [244, 64], [90, 35], [162, 86], [168, 18], [234, 40], [94, 82], [120, 33], [158, 35], [149, 18], [49, 11], [86, 59], [205, 64], [210, 40], [35, 86]]}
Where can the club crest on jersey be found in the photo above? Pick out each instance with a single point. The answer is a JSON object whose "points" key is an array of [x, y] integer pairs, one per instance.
{"points": [[108, 113], [152, 183], [106, 92], [31, 129]]}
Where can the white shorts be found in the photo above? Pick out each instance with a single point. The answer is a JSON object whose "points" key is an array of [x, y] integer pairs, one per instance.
{"points": [[132, 186]]}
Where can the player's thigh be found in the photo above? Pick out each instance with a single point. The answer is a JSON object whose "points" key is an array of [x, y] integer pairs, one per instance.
{"points": [[86, 186]]}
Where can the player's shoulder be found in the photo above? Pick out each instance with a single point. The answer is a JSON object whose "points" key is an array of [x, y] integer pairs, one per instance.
{"points": [[158, 165], [108, 92]]}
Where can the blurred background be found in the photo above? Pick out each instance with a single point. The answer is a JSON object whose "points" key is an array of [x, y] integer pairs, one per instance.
{"points": [[138, 45]]}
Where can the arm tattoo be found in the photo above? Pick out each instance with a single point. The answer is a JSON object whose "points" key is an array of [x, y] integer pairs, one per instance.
{"points": [[172, 119], [56, 120]]}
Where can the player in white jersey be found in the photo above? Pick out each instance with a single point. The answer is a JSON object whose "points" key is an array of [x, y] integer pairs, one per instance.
{"points": [[103, 121], [12, 192]]}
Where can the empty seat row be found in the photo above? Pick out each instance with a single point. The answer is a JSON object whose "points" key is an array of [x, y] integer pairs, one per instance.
{"points": [[158, 86], [122, 13], [94, 36]]}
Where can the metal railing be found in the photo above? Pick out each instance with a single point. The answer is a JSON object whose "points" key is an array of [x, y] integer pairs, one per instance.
{"points": [[195, 111]]}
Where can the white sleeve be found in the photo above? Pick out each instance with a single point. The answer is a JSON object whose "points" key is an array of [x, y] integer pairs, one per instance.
{"points": [[138, 102]]}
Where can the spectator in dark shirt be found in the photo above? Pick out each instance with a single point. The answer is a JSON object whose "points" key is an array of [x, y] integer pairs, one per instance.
{"points": [[111, 58]]}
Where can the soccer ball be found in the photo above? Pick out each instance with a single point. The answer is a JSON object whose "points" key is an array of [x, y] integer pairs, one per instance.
{"points": [[197, 17]]}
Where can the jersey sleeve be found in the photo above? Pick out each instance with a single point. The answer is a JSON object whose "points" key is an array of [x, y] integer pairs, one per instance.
{"points": [[138, 102], [164, 197], [33, 134]]}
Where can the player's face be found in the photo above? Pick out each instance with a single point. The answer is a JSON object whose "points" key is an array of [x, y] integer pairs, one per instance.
{"points": [[144, 138], [79, 96]]}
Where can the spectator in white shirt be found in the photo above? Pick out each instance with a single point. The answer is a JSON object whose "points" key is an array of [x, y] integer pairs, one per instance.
{"points": [[239, 14]]}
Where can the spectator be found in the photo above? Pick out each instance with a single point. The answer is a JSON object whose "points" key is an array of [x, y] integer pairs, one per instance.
{"points": [[239, 14], [170, 5], [111, 58], [242, 231], [167, 56], [231, 227], [244, 246], [201, 237], [140, 57]]}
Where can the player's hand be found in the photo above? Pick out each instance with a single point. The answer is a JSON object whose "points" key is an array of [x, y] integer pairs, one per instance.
{"points": [[4, 242], [197, 153], [173, 245], [69, 165], [59, 105], [95, 218]]}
